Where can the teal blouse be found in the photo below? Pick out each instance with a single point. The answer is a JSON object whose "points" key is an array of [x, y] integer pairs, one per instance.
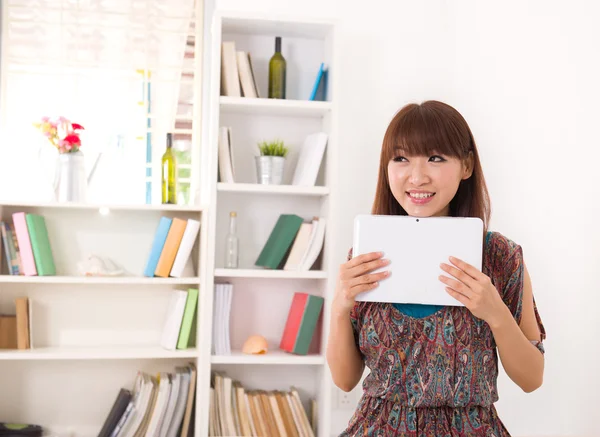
{"points": [[416, 310]]}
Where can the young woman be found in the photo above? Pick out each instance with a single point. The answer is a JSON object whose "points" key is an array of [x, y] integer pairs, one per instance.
{"points": [[433, 369]]}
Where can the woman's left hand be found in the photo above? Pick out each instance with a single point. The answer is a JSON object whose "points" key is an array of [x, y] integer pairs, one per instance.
{"points": [[474, 290]]}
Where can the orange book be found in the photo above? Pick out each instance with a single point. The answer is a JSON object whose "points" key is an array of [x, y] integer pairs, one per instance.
{"points": [[169, 251]]}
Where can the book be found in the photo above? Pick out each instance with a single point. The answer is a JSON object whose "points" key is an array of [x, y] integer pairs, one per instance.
{"points": [[24, 242], [40, 245], [174, 317], [276, 249], [160, 236], [189, 313], [170, 248], [301, 322], [116, 412], [309, 159], [185, 248], [230, 79]]}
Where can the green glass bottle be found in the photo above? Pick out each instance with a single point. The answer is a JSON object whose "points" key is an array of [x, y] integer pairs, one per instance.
{"points": [[169, 173], [277, 72]]}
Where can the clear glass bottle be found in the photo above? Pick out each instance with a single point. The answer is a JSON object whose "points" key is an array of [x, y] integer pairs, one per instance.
{"points": [[232, 243]]}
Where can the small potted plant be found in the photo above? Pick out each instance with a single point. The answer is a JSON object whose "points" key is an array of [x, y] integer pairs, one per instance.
{"points": [[271, 162]]}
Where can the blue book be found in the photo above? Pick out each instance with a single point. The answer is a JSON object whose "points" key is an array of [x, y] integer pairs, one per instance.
{"points": [[320, 85], [157, 245]]}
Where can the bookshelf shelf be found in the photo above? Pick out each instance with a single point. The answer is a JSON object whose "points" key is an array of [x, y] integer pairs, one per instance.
{"points": [[89, 280], [104, 208], [270, 274], [292, 190], [96, 353], [270, 358], [263, 106]]}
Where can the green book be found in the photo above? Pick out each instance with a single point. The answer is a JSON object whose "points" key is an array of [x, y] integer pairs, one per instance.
{"points": [[312, 311], [40, 245], [277, 247], [187, 324]]}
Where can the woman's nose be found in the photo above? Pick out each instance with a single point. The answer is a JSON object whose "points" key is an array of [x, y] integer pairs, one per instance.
{"points": [[418, 175]]}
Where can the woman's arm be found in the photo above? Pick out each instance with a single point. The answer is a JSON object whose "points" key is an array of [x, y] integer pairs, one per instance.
{"points": [[343, 356], [522, 361], [344, 359]]}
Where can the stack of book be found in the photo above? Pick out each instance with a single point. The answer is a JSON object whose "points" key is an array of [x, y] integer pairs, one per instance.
{"points": [[27, 246], [293, 243], [171, 247], [237, 74], [221, 343], [179, 330], [160, 405], [236, 411]]}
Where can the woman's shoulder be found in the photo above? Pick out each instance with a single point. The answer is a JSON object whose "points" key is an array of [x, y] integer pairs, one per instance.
{"points": [[502, 255], [499, 244]]}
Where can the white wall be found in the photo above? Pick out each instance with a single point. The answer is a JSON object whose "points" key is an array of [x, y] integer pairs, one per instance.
{"points": [[526, 76]]}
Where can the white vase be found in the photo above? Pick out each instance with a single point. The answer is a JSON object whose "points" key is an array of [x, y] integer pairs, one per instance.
{"points": [[70, 183]]}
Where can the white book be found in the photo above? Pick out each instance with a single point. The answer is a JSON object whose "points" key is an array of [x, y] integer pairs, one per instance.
{"points": [[185, 247], [309, 160], [299, 247], [226, 163], [230, 79], [164, 391], [316, 245], [172, 324], [246, 78], [170, 410], [229, 296]]}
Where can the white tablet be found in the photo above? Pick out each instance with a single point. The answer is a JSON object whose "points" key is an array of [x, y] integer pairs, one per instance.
{"points": [[416, 247]]}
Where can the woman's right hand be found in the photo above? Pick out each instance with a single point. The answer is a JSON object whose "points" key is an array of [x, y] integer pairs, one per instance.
{"points": [[355, 277]]}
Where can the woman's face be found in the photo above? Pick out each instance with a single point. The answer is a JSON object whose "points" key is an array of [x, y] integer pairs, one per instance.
{"points": [[425, 185]]}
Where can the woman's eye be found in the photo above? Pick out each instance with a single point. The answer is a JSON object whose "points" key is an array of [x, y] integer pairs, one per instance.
{"points": [[399, 159], [436, 158]]}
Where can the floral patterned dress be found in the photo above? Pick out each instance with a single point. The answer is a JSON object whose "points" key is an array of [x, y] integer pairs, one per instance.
{"points": [[435, 376]]}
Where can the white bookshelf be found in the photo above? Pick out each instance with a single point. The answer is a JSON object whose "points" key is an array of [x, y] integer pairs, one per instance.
{"points": [[90, 335], [262, 297]]}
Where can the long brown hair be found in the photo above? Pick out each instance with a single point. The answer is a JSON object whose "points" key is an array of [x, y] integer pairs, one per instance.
{"points": [[424, 130]]}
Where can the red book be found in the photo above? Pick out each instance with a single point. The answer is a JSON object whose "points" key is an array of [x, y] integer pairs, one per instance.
{"points": [[301, 322]]}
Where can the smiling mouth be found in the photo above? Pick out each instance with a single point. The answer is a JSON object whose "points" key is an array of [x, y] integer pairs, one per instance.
{"points": [[420, 195]]}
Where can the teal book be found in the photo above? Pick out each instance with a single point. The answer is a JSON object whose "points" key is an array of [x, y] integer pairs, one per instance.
{"points": [[40, 245], [189, 313], [279, 243]]}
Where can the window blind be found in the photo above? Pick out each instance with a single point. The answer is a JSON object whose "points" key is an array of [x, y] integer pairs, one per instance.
{"points": [[124, 69]]}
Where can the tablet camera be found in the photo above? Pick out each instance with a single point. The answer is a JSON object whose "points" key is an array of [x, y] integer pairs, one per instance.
{"points": [[417, 220]]}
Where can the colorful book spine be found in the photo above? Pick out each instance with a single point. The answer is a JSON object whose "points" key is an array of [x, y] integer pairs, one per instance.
{"points": [[301, 323], [24, 241], [157, 245]]}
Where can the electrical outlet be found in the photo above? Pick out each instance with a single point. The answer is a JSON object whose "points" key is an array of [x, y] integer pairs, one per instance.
{"points": [[346, 400]]}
